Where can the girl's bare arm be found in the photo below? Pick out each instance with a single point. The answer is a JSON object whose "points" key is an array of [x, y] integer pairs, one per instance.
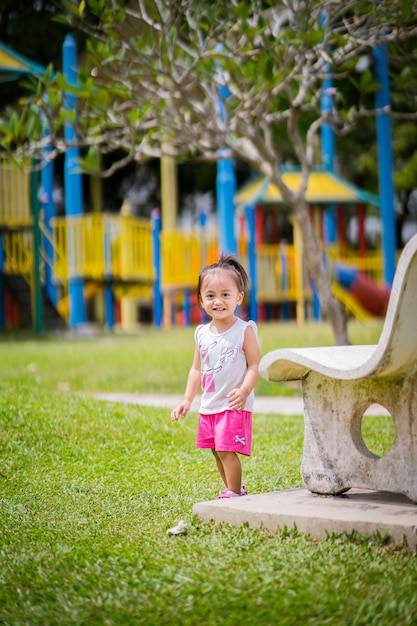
{"points": [[237, 397], [193, 385]]}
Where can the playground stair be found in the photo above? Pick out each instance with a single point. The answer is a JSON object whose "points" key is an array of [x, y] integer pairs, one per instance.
{"points": [[20, 291]]}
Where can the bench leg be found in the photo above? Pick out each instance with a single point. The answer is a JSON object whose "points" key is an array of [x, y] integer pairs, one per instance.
{"points": [[335, 456]]}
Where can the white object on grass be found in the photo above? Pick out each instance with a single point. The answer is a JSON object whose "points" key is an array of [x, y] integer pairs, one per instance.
{"points": [[179, 529]]}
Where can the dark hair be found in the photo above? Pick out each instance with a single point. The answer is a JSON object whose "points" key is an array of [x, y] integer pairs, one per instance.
{"points": [[230, 263]]}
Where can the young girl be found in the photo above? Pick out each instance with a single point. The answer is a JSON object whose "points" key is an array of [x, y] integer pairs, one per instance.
{"points": [[225, 365]]}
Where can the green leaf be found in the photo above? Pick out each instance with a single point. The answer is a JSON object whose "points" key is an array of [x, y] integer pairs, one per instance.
{"points": [[91, 163], [406, 8]]}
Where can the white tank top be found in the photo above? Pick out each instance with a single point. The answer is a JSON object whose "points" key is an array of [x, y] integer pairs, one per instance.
{"points": [[223, 365]]}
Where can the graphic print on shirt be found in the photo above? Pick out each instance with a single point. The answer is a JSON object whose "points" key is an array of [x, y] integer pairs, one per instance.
{"points": [[228, 355], [207, 378]]}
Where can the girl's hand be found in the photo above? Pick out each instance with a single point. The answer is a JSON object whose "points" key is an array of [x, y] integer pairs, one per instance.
{"points": [[180, 410], [237, 399]]}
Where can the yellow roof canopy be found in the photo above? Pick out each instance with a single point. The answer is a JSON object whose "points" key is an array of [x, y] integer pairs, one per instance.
{"points": [[14, 66], [323, 188]]}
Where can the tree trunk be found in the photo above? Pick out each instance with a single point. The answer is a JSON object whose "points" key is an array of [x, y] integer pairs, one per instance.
{"points": [[331, 309]]}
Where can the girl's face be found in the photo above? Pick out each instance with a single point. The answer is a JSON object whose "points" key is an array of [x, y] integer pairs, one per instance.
{"points": [[220, 295]]}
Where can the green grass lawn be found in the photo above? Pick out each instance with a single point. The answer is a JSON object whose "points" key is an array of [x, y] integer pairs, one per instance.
{"points": [[89, 489], [153, 361]]}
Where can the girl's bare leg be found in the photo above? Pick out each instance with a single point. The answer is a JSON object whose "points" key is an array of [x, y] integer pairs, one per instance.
{"points": [[230, 469], [220, 467]]}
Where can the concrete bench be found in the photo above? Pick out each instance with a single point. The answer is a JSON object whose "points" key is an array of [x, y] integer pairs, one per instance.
{"points": [[339, 383]]}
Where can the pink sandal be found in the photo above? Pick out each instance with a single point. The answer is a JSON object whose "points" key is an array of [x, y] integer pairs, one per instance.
{"points": [[228, 493]]}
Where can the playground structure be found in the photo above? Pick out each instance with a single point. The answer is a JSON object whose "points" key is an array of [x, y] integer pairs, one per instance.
{"points": [[144, 273], [118, 269]]}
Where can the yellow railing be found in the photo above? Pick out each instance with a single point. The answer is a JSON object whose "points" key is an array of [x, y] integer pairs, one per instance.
{"points": [[135, 250], [182, 257], [18, 253], [281, 274], [14, 196], [100, 246], [78, 242]]}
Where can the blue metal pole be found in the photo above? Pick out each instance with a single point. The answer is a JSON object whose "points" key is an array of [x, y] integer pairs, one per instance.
{"points": [[225, 188], [48, 208], [327, 156], [156, 259], [202, 220], [187, 307], [108, 290], [253, 296], [316, 303], [328, 146], [327, 135], [386, 184], [73, 189], [109, 306]]}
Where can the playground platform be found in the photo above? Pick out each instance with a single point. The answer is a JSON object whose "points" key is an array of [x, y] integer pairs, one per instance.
{"points": [[368, 513]]}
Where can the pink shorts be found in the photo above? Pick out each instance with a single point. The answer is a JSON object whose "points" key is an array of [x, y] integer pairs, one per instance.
{"points": [[229, 431]]}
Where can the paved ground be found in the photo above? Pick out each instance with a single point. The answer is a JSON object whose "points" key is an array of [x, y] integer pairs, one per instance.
{"points": [[281, 406], [366, 512]]}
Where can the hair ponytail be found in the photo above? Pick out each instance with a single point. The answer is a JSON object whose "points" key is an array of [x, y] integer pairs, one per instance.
{"points": [[230, 263]]}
